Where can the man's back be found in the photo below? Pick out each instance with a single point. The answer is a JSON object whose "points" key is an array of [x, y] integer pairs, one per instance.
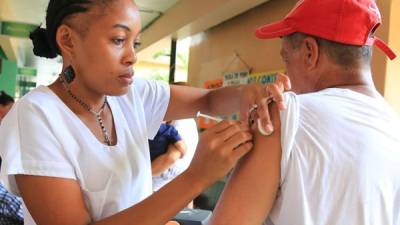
{"points": [[340, 160]]}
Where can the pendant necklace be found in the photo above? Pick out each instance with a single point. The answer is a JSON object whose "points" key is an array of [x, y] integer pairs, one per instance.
{"points": [[107, 138]]}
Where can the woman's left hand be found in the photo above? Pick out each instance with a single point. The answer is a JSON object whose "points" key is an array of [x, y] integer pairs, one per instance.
{"points": [[258, 96]]}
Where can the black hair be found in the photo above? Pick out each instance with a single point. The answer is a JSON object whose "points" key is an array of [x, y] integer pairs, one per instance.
{"points": [[58, 11], [343, 55], [5, 99]]}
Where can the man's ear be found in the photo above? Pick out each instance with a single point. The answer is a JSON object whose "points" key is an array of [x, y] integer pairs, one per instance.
{"points": [[311, 52], [65, 40]]}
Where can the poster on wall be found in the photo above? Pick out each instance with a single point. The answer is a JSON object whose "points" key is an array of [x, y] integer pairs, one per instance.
{"points": [[264, 77], [211, 84], [235, 78], [204, 123]]}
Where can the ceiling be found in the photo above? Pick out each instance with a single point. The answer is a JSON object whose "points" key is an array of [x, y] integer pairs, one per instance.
{"points": [[151, 10], [33, 12], [162, 20]]}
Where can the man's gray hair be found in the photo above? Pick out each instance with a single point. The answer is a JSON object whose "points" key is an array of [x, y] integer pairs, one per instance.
{"points": [[343, 55]]}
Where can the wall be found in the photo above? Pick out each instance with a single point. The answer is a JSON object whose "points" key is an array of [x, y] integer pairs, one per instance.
{"points": [[392, 79], [8, 76], [212, 51]]}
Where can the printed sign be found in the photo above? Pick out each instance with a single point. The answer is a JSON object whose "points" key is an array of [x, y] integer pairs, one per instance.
{"points": [[211, 84], [28, 71], [16, 29], [204, 123], [235, 78], [263, 78]]}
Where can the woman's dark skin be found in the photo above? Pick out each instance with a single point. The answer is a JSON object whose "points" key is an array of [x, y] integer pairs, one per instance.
{"points": [[103, 57]]}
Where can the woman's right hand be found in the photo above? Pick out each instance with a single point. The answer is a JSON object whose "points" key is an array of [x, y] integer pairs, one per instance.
{"points": [[219, 149]]}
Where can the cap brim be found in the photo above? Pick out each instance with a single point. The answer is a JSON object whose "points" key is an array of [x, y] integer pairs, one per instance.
{"points": [[274, 30]]}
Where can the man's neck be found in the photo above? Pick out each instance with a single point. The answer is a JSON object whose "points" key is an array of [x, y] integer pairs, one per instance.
{"points": [[356, 79]]}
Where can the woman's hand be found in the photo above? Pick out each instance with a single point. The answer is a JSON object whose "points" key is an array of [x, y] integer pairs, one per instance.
{"points": [[256, 97], [219, 149]]}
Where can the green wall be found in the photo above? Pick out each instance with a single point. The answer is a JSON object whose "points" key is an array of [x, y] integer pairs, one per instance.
{"points": [[8, 77]]}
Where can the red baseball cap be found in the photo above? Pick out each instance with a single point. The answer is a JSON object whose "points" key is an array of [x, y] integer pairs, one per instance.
{"points": [[351, 22]]}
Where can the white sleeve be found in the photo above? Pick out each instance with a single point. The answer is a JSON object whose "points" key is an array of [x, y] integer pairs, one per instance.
{"points": [[28, 146], [289, 126], [155, 96]]}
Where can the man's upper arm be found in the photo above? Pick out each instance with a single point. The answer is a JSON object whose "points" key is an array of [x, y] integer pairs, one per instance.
{"points": [[53, 201], [251, 191]]}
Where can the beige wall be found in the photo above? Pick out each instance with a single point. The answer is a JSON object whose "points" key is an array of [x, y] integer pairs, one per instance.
{"points": [[392, 80], [212, 51]]}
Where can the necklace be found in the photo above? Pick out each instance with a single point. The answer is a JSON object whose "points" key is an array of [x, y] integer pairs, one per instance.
{"points": [[107, 138]]}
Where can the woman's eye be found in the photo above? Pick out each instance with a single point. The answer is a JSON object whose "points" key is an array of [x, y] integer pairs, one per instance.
{"points": [[118, 41], [136, 44]]}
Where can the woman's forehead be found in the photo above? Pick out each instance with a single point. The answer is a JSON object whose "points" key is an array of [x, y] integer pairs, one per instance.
{"points": [[123, 13]]}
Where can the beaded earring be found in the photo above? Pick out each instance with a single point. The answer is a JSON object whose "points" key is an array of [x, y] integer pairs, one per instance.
{"points": [[69, 74]]}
